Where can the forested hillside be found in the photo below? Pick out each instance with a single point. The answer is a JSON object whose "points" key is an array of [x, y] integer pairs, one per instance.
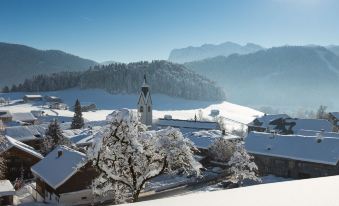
{"points": [[164, 77]]}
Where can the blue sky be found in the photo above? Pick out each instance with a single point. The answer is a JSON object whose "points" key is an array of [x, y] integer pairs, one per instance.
{"points": [[133, 30]]}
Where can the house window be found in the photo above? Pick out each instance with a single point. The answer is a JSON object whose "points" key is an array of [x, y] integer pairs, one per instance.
{"points": [[149, 108], [83, 198], [141, 109]]}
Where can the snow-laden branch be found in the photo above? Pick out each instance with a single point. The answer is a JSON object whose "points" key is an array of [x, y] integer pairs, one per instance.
{"points": [[127, 156]]}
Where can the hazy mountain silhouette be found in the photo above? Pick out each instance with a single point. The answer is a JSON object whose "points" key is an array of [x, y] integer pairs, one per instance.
{"points": [[18, 62], [290, 75], [210, 50]]}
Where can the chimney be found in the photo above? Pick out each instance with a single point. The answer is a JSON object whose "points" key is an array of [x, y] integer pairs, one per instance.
{"points": [[320, 136], [59, 153]]}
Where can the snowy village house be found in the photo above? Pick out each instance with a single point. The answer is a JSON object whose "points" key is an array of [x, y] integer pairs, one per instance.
{"points": [[25, 118], [53, 99], [283, 124], [32, 98], [294, 156], [19, 158], [31, 135], [64, 176], [261, 124]]}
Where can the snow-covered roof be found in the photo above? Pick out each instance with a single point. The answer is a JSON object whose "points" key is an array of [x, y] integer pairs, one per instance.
{"points": [[335, 114], [33, 96], [317, 133], [6, 188], [82, 136], [25, 133], [53, 97], [297, 147], [77, 134], [178, 123], [203, 139], [11, 142], [56, 170], [5, 113], [265, 120], [48, 119], [24, 116], [311, 124]]}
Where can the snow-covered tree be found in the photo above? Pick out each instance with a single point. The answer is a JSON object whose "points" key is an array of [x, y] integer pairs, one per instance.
{"points": [[78, 120], [221, 150], [127, 156], [54, 137], [2, 160], [321, 112], [242, 166]]}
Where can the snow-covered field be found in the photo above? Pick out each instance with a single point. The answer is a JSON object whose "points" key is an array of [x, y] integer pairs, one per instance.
{"points": [[106, 103]]}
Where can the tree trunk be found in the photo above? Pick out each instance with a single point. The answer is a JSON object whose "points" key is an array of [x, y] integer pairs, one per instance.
{"points": [[136, 196]]}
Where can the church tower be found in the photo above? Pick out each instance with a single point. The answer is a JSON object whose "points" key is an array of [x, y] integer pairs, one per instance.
{"points": [[145, 104]]}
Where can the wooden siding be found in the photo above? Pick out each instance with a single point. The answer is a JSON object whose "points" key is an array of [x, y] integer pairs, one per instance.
{"points": [[79, 181], [292, 168], [17, 160]]}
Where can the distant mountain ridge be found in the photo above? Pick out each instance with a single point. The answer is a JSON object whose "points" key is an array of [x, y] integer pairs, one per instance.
{"points": [[190, 54], [18, 62], [289, 75], [334, 49]]}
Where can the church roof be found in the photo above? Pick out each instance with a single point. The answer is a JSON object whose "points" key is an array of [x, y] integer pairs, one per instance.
{"points": [[145, 92]]}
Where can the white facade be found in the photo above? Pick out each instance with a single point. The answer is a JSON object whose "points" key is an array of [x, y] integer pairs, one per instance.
{"points": [[145, 106]]}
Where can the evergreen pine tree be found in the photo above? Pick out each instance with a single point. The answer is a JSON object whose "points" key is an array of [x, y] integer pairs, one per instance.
{"points": [[54, 137], [78, 121], [54, 132], [5, 89]]}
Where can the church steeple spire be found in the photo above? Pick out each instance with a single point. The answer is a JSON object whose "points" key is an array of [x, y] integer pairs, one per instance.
{"points": [[145, 80], [145, 103]]}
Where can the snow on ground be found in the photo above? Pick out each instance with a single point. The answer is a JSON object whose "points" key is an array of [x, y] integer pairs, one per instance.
{"points": [[310, 192], [264, 180], [23, 195], [106, 103]]}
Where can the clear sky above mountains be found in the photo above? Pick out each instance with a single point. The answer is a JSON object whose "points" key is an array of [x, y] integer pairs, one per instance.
{"points": [[133, 30]]}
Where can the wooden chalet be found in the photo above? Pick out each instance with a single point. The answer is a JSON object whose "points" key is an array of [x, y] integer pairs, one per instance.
{"points": [[262, 124], [33, 98], [26, 118], [282, 124], [31, 135], [53, 99], [19, 158], [64, 176], [294, 156]]}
